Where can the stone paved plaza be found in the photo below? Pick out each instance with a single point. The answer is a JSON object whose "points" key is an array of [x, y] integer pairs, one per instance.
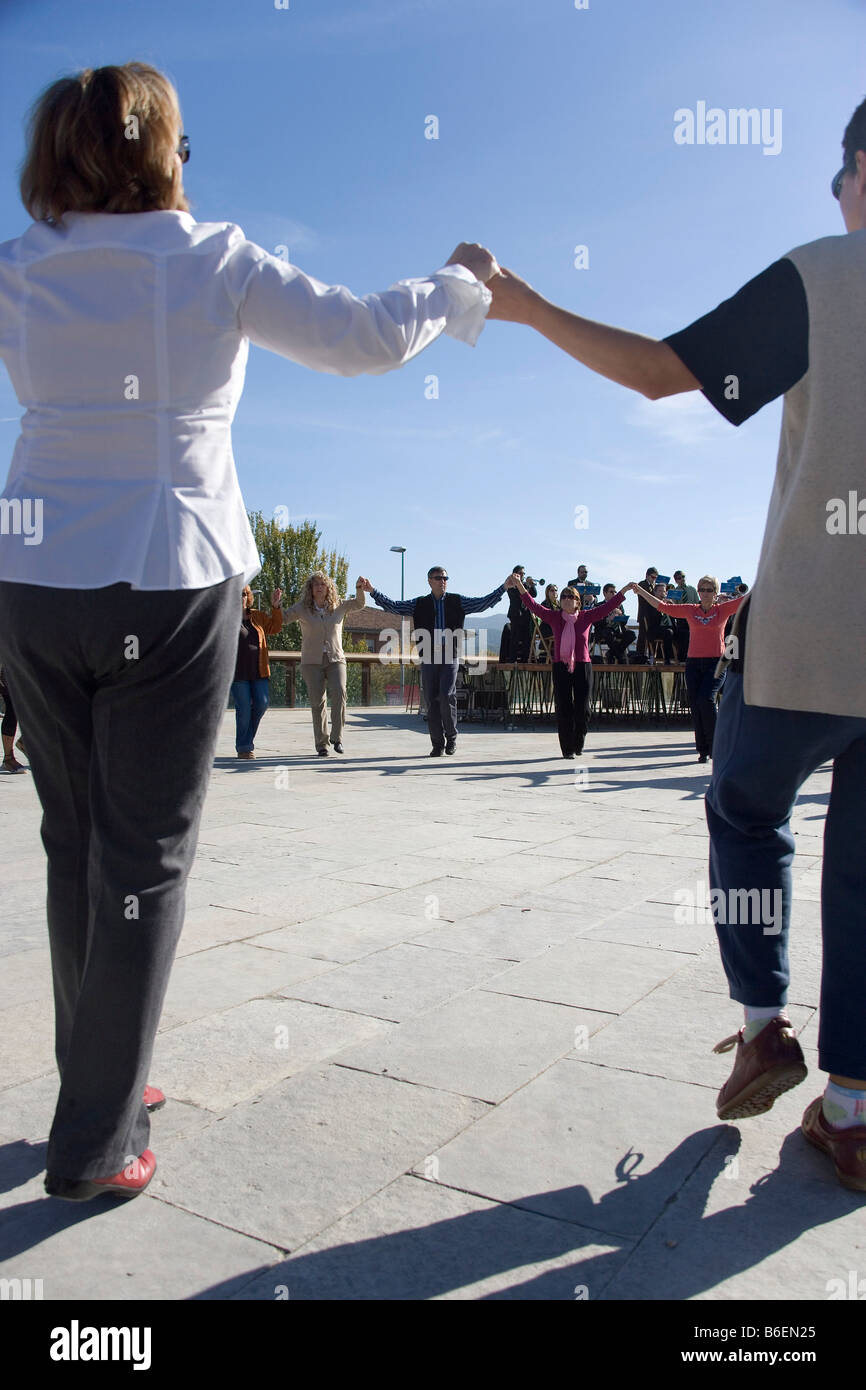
{"points": [[437, 1030]]}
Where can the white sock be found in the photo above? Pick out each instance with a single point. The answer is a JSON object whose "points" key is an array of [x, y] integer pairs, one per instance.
{"points": [[757, 1017], [843, 1107]]}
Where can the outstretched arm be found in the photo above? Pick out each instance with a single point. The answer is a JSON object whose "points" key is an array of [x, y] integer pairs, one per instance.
{"points": [[644, 364], [478, 605], [328, 328], [391, 605]]}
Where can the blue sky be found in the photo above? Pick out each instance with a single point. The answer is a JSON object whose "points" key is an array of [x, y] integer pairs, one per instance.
{"points": [[556, 130]]}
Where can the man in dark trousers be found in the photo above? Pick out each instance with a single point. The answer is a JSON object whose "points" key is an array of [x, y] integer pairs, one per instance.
{"points": [[645, 613], [790, 705], [520, 619], [437, 618]]}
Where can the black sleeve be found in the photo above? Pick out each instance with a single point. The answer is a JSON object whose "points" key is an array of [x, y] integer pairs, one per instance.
{"points": [[753, 347]]}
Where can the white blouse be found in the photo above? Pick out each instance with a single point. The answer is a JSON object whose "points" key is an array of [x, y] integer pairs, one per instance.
{"points": [[126, 338]]}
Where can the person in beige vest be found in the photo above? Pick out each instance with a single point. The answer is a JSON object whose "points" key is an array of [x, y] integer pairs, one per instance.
{"points": [[323, 661], [795, 697]]}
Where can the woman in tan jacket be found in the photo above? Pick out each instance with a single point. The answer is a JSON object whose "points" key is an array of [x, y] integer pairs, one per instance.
{"points": [[323, 661], [251, 684]]}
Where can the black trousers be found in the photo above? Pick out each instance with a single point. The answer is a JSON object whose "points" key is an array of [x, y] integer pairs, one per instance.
{"points": [[439, 680], [123, 692], [703, 686], [572, 695], [10, 719]]}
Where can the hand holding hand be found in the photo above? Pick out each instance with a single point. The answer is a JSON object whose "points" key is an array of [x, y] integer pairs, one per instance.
{"points": [[476, 258], [365, 584], [513, 298]]}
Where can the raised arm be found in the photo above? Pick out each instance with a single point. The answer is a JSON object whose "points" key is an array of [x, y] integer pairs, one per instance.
{"points": [[650, 598], [478, 605], [599, 611]]}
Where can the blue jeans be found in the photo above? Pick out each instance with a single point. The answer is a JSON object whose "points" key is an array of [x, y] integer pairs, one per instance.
{"points": [[762, 758], [251, 701], [703, 686]]}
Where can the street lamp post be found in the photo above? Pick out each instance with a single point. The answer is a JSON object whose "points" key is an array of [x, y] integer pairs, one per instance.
{"points": [[401, 551]]}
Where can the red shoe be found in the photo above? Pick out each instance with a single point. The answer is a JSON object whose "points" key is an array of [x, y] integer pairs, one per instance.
{"points": [[132, 1179], [153, 1099]]}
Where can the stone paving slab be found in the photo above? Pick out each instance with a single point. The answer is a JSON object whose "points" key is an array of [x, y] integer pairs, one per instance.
{"points": [[579, 1151], [473, 1143], [287, 1165], [418, 1240], [450, 1046], [217, 979], [758, 1218], [399, 982], [217, 1061], [506, 933], [590, 974], [110, 1250], [26, 1041], [341, 936]]}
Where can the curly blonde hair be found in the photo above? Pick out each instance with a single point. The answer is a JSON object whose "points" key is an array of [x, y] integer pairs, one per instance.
{"points": [[332, 598]]}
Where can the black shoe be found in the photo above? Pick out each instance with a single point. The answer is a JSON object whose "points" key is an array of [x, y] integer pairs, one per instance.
{"points": [[451, 747], [436, 752], [702, 757], [568, 755], [322, 752], [338, 748]]}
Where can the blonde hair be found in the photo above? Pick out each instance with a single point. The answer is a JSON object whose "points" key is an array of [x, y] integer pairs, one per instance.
{"points": [[104, 140], [708, 579], [332, 598], [554, 600]]}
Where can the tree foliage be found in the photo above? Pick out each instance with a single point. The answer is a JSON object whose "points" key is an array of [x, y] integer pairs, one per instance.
{"points": [[289, 555]]}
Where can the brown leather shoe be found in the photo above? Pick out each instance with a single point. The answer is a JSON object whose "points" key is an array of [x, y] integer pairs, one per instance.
{"points": [[765, 1068], [846, 1147]]}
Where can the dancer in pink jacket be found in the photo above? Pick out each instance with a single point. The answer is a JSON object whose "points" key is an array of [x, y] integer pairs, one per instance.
{"points": [[572, 668]]}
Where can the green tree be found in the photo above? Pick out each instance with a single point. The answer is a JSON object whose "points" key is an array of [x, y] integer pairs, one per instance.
{"points": [[289, 555]]}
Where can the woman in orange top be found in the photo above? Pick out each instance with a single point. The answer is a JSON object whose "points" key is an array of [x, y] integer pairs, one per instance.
{"points": [[706, 622], [251, 684]]}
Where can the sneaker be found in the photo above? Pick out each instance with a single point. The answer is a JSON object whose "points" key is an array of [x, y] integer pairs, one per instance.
{"points": [[451, 748], [846, 1147], [765, 1068]]}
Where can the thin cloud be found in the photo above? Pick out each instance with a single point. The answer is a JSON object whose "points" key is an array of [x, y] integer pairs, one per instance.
{"points": [[632, 475], [687, 419]]}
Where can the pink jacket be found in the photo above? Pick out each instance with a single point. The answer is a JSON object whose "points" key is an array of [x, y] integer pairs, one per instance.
{"points": [[583, 622]]}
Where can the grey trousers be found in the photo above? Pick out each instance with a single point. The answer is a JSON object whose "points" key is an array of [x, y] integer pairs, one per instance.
{"points": [[332, 673], [122, 693]]}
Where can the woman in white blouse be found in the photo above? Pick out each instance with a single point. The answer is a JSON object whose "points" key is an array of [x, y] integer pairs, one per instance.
{"points": [[125, 327], [323, 661]]}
